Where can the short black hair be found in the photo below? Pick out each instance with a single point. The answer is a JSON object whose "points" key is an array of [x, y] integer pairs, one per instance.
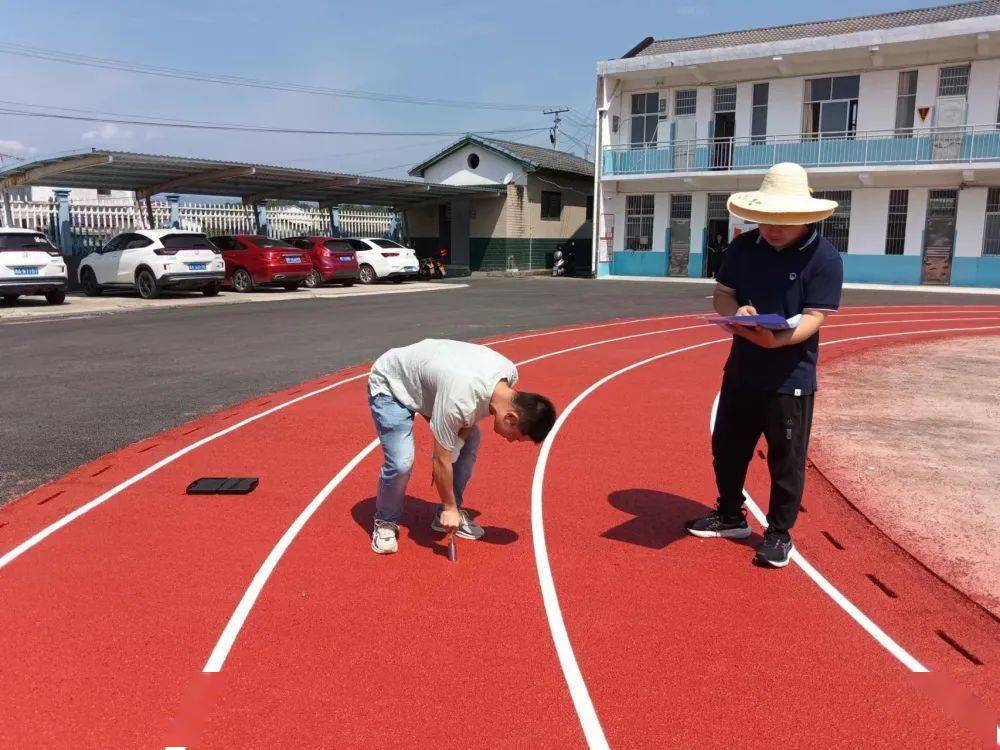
{"points": [[535, 415]]}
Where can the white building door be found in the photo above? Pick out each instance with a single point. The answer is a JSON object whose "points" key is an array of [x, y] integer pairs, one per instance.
{"points": [[949, 112], [949, 124]]}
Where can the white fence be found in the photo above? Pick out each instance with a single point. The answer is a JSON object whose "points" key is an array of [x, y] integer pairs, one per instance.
{"points": [[93, 223]]}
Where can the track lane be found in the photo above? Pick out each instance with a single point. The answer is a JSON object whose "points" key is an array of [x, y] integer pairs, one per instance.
{"points": [[190, 567], [671, 652]]}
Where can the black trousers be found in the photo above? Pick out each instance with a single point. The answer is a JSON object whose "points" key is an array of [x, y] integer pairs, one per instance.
{"points": [[785, 421]]}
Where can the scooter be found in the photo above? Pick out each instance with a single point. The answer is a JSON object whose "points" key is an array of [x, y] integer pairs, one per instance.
{"points": [[433, 267]]}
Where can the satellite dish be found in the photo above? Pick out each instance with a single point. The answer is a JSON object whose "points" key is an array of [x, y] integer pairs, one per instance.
{"points": [[508, 178]]}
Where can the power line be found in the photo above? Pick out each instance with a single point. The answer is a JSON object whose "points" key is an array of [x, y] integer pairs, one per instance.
{"points": [[230, 80], [134, 120]]}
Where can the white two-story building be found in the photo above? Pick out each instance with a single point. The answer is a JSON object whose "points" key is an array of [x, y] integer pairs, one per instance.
{"points": [[894, 115]]}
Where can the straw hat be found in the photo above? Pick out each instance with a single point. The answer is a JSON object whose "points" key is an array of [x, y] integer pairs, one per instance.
{"points": [[784, 198]]}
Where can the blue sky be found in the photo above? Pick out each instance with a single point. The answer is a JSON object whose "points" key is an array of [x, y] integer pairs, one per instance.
{"points": [[540, 52]]}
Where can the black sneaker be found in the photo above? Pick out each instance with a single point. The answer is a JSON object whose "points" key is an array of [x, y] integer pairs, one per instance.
{"points": [[775, 550], [715, 525]]}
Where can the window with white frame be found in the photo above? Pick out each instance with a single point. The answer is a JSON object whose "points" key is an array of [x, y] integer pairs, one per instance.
{"points": [[954, 81], [645, 114], [895, 231], [685, 102], [991, 232], [837, 228], [639, 222], [831, 107], [758, 115], [906, 102]]}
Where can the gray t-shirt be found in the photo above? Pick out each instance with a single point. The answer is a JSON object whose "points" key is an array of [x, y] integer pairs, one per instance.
{"points": [[449, 382]]}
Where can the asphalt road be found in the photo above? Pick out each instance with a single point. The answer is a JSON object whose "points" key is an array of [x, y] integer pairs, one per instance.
{"points": [[74, 389]]}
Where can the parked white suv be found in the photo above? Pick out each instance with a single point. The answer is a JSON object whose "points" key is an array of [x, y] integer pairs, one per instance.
{"points": [[30, 264], [151, 260], [384, 259]]}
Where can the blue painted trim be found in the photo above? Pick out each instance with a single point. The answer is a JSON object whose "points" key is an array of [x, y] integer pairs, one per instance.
{"points": [[695, 261], [983, 271], [640, 263], [882, 269], [603, 268]]}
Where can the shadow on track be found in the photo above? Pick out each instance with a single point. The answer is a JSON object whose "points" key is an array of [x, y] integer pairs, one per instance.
{"points": [[659, 518]]}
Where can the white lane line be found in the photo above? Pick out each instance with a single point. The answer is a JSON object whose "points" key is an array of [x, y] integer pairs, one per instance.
{"points": [[844, 312], [632, 321], [586, 712], [869, 626], [52, 528], [242, 611], [238, 619]]}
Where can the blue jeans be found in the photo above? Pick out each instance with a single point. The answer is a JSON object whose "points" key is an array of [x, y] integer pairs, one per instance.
{"points": [[394, 424]]}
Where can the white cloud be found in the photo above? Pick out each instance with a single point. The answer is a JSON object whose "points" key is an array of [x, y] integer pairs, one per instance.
{"points": [[17, 148], [107, 132]]}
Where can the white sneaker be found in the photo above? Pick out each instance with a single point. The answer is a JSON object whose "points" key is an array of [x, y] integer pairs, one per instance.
{"points": [[466, 530], [384, 537]]}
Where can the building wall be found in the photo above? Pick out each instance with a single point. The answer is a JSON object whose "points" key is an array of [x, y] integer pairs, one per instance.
{"points": [[865, 260], [454, 169], [876, 101], [508, 230]]}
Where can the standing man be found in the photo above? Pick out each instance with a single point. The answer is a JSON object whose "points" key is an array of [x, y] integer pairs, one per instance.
{"points": [[454, 385], [783, 267]]}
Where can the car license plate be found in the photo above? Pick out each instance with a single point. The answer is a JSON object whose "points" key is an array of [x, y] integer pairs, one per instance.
{"points": [[293, 259], [25, 271], [197, 266], [346, 257]]}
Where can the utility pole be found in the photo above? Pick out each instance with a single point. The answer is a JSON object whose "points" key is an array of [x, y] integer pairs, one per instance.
{"points": [[554, 133]]}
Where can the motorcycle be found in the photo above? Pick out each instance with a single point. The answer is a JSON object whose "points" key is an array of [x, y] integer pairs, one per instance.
{"points": [[433, 267], [562, 263]]}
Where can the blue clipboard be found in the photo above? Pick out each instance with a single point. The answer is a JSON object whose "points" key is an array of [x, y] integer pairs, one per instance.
{"points": [[771, 321]]}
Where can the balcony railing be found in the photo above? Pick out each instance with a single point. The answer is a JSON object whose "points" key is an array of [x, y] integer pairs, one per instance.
{"points": [[946, 145]]}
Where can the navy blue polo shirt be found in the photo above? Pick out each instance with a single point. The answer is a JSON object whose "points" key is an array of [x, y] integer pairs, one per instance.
{"points": [[786, 282]]}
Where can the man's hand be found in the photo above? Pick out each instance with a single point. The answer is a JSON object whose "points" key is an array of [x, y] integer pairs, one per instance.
{"points": [[745, 310], [450, 519]]}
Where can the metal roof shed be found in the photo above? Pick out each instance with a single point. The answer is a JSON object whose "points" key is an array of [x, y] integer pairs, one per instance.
{"points": [[151, 174]]}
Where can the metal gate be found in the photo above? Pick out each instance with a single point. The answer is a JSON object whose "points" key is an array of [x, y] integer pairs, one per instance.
{"points": [[939, 237], [680, 234]]}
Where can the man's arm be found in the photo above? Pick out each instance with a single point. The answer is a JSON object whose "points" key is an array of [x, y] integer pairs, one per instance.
{"points": [[442, 474]]}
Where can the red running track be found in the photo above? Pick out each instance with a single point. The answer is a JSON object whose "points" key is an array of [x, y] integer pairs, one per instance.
{"points": [[113, 616]]}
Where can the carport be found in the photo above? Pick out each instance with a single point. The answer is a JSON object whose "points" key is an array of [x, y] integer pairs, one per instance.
{"points": [[256, 184]]}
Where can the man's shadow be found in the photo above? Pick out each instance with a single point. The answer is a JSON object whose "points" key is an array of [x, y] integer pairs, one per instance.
{"points": [[417, 517], [658, 518]]}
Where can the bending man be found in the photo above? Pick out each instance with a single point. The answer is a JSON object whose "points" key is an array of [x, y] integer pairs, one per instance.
{"points": [[454, 385]]}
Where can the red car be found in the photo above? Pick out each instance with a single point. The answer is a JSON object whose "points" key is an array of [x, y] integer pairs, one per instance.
{"points": [[333, 259], [253, 260]]}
